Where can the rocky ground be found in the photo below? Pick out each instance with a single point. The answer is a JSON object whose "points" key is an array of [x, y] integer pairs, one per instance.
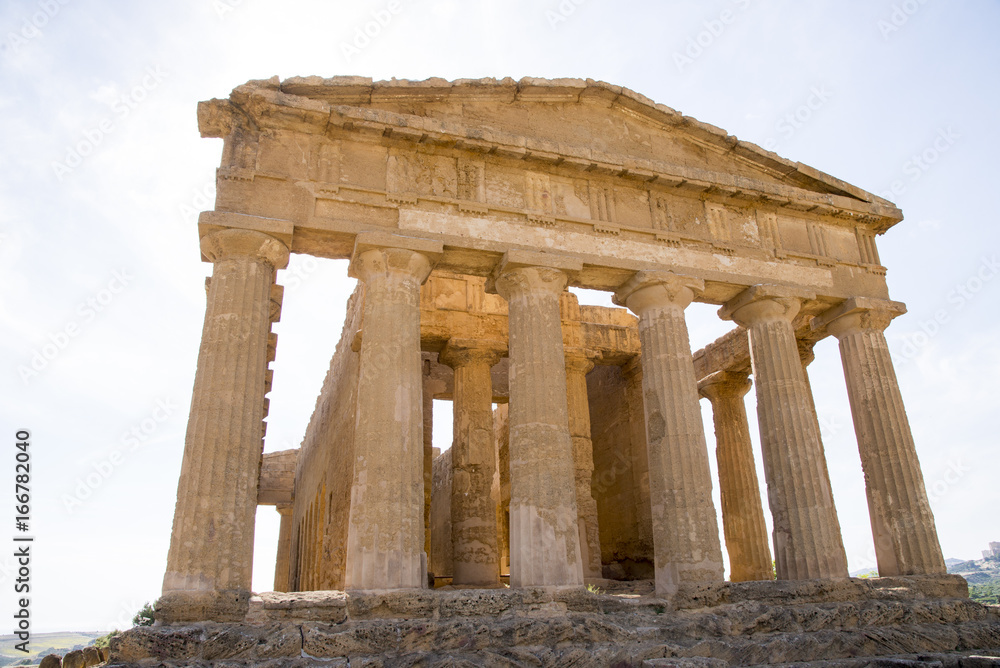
{"points": [[849, 623]]}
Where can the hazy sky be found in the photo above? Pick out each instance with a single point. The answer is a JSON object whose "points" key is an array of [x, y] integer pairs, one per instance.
{"points": [[102, 173]]}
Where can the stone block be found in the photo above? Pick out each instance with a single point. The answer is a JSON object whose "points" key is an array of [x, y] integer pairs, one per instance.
{"points": [[91, 657], [74, 659]]}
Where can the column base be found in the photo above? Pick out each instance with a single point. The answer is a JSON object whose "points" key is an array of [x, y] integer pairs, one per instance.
{"points": [[480, 575], [202, 606]]}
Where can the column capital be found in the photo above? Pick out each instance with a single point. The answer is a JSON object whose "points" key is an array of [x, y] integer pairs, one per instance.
{"points": [[724, 384], [235, 243], [460, 352], [857, 314], [532, 271], [284, 509], [762, 303], [653, 289], [581, 360], [380, 252]]}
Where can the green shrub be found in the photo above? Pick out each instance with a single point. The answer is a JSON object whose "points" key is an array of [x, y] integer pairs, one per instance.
{"points": [[144, 617]]}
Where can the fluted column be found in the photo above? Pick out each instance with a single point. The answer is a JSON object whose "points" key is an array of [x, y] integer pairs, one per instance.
{"points": [[807, 540], [432, 387], [283, 558], [906, 540], [385, 542], [473, 459], [685, 528], [211, 547], [427, 408], [544, 542], [742, 511], [639, 460], [578, 365]]}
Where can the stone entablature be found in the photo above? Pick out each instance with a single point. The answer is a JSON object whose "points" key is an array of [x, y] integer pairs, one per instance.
{"points": [[316, 161]]}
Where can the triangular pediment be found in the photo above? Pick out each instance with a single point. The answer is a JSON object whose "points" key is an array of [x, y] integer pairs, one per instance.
{"points": [[574, 114], [579, 125]]}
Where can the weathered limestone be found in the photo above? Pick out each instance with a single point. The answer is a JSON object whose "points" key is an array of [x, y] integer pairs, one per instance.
{"points": [[74, 659], [427, 408], [473, 457], [50, 661], [807, 541], [501, 436], [441, 558], [578, 365], [544, 540], [282, 562], [685, 529], [906, 541], [742, 512], [632, 373], [276, 485], [621, 473], [386, 531], [91, 657], [211, 547], [591, 471]]}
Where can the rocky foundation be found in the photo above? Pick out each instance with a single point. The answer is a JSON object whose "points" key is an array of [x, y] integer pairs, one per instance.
{"points": [[925, 621]]}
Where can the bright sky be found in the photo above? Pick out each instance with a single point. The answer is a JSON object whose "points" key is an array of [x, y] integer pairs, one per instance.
{"points": [[102, 173]]}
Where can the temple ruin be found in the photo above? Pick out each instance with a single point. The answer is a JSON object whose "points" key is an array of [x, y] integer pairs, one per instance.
{"points": [[467, 209]]}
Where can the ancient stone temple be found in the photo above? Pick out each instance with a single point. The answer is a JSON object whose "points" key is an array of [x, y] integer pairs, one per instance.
{"points": [[467, 209]]}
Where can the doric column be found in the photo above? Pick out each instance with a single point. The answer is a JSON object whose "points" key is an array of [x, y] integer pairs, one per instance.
{"points": [[385, 542], [742, 511], [473, 460], [282, 561], [685, 528], [211, 546], [432, 387], [578, 365], [807, 541], [544, 544], [427, 408], [639, 460], [906, 540]]}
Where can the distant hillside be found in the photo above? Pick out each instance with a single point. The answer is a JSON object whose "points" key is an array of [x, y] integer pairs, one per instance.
{"points": [[42, 644], [983, 576]]}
